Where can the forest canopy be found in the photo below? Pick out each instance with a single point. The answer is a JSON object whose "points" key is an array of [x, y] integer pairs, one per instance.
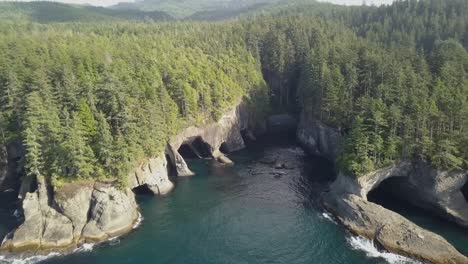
{"points": [[92, 100]]}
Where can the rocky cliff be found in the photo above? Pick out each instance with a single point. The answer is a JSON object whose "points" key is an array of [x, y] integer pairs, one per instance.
{"points": [[9, 155], [154, 174], [91, 211], [318, 138], [71, 215], [418, 183], [225, 133], [3, 164]]}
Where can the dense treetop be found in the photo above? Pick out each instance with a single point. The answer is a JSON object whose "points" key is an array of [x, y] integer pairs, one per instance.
{"points": [[92, 100]]}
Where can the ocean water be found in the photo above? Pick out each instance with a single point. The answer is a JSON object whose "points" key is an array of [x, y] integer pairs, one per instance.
{"points": [[230, 215]]}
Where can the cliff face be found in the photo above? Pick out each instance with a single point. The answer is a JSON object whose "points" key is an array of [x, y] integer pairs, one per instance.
{"points": [[9, 155], [318, 138], [419, 183], [90, 211], [226, 132], [154, 174], [73, 214], [3, 164]]}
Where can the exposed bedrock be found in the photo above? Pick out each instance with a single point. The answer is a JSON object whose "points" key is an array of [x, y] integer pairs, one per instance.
{"points": [[154, 174], [418, 183], [390, 230], [88, 211], [318, 138], [73, 214], [208, 141]]}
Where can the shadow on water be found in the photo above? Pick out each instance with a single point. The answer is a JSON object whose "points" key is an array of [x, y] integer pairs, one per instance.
{"points": [[8, 206], [384, 196], [231, 215]]}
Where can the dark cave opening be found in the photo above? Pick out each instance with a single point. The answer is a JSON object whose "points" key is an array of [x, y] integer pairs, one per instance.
{"points": [[142, 190], [395, 194], [224, 148], [203, 148], [464, 191], [195, 149], [187, 152], [171, 168]]}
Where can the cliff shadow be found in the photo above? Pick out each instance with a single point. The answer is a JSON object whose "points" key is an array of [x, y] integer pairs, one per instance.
{"points": [[394, 195], [464, 191], [195, 148]]}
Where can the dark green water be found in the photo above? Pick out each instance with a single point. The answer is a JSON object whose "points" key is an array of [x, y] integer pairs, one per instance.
{"points": [[231, 215]]}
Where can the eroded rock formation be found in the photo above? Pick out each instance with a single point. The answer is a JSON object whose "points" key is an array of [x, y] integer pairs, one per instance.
{"points": [[318, 138], [418, 183], [73, 214], [227, 132], [90, 211], [390, 230], [154, 174]]}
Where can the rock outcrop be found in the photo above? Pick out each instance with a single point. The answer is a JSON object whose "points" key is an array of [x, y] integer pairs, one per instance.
{"points": [[153, 174], [418, 183], [318, 138], [71, 215], [390, 230], [226, 132], [91, 211], [347, 199]]}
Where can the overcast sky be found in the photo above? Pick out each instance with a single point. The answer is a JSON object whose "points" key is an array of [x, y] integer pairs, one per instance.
{"points": [[112, 2]]}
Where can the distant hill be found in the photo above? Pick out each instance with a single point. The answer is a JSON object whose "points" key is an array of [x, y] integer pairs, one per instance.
{"points": [[50, 12], [188, 8], [307, 7]]}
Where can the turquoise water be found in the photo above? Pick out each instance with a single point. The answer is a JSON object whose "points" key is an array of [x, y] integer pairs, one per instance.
{"points": [[456, 235], [231, 215]]}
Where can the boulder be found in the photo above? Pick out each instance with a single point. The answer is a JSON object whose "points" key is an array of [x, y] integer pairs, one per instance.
{"points": [[224, 160]]}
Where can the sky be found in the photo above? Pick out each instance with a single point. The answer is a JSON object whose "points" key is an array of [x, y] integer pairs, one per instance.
{"points": [[112, 2]]}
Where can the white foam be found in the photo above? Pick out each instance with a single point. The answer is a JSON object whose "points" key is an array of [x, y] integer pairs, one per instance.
{"points": [[366, 245], [16, 213], [87, 247], [29, 260], [84, 248], [329, 217], [138, 222]]}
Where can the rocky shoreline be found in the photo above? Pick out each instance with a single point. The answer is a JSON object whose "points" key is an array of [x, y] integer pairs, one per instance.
{"points": [[437, 191], [61, 219], [64, 218]]}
